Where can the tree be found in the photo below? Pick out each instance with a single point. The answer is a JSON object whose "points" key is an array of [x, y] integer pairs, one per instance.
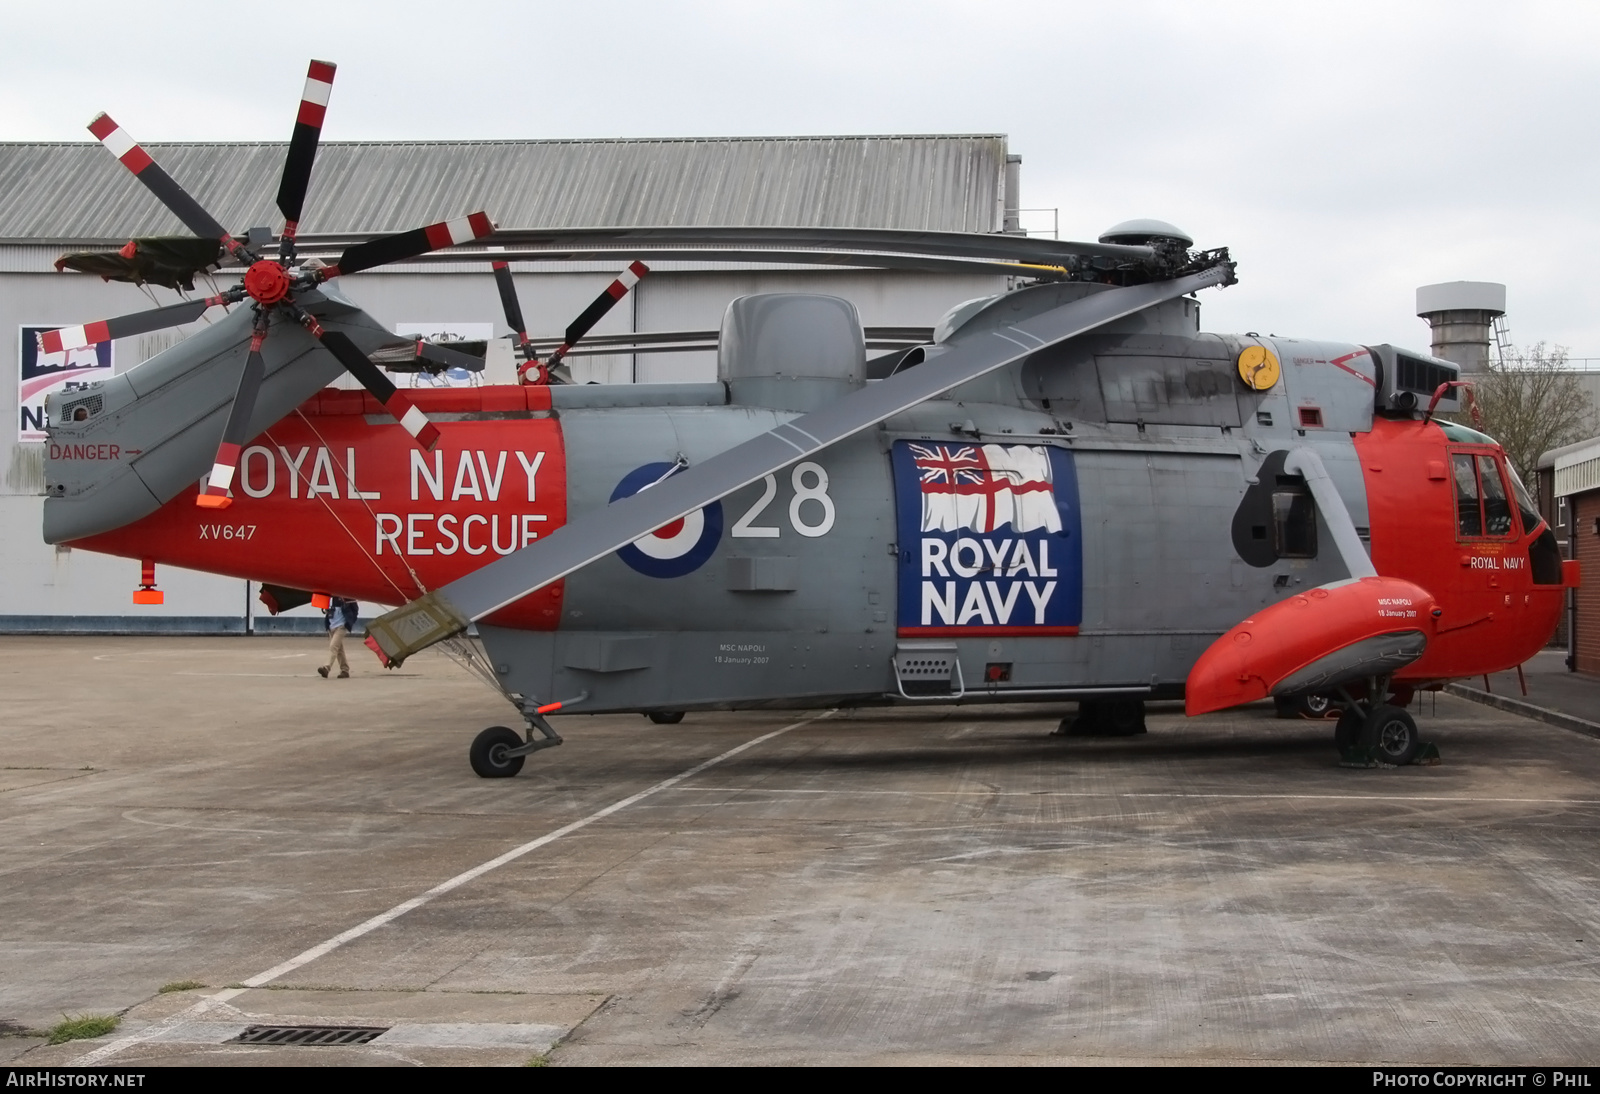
{"points": [[1531, 402]]}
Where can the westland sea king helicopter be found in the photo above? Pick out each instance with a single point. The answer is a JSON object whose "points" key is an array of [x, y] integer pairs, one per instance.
{"points": [[1069, 492]]}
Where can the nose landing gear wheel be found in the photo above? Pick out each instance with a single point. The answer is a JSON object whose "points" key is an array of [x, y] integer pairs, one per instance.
{"points": [[1393, 735], [488, 753], [666, 717]]}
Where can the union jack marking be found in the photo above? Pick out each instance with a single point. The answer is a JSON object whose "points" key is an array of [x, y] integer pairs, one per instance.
{"points": [[942, 467]]}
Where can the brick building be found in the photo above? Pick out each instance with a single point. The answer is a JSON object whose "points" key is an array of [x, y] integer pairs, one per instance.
{"points": [[1569, 483]]}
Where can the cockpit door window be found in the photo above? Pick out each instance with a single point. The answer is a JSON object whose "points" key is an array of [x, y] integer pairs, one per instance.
{"points": [[1496, 505], [1469, 511], [1483, 504]]}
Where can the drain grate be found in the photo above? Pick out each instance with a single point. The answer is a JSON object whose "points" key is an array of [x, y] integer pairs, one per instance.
{"points": [[309, 1035]]}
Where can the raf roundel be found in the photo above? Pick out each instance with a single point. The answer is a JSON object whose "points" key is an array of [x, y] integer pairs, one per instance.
{"points": [[675, 549]]}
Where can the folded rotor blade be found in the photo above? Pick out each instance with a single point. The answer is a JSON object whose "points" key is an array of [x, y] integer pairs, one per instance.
{"points": [[424, 432], [159, 183], [141, 322], [597, 310], [449, 358], [303, 146], [597, 533], [215, 494], [404, 245]]}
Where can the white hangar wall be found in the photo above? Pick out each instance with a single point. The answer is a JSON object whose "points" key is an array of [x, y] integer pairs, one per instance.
{"points": [[53, 590], [57, 197]]}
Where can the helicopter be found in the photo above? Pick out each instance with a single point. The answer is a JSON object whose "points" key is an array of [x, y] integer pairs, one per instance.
{"points": [[1067, 492]]}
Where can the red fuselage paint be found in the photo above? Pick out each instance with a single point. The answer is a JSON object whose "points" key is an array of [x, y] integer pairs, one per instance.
{"points": [[1493, 615], [336, 497]]}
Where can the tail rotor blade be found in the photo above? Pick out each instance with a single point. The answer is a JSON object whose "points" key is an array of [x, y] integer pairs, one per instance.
{"points": [[124, 326], [215, 494], [424, 432], [508, 300], [596, 311], [303, 148], [159, 183], [519, 329], [404, 245]]}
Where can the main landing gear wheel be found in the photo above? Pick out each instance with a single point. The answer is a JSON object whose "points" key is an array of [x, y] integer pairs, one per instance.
{"points": [[488, 753], [1347, 733], [665, 717], [1393, 735], [1104, 718]]}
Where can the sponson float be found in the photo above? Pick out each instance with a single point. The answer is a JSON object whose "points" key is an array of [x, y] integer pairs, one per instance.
{"points": [[1069, 493]]}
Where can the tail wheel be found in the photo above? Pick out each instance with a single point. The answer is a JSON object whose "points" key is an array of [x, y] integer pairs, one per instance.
{"points": [[1393, 735], [488, 753], [1312, 705]]}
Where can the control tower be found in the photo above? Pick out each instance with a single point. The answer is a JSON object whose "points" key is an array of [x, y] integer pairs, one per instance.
{"points": [[1462, 315]]}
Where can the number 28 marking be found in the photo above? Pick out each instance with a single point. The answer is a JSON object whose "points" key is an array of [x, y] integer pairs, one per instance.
{"points": [[816, 492]]}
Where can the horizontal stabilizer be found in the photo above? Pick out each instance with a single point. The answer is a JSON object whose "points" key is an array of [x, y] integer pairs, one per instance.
{"points": [[1330, 635]]}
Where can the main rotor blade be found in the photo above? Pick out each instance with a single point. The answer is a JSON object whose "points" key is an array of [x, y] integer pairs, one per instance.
{"points": [[597, 310], [449, 358], [596, 242], [215, 494], [424, 432], [404, 245], [303, 146], [159, 183], [597, 533], [124, 326]]}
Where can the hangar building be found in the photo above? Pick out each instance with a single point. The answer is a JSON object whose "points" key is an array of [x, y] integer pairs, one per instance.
{"points": [[62, 197]]}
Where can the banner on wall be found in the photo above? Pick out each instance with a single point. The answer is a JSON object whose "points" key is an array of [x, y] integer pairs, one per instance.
{"points": [[44, 373]]}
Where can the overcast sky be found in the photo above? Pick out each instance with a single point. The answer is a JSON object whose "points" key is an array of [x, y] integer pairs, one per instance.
{"points": [[1347, 152]]}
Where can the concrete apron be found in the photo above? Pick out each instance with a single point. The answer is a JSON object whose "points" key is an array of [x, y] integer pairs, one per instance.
{"points": [[914, 885]]}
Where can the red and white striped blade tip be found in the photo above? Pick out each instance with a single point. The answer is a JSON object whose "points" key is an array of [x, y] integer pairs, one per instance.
{"points": [[461, 230]]}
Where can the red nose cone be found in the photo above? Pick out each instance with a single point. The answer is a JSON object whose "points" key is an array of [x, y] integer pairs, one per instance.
{"points": [[1310, 636], [267, 282]]}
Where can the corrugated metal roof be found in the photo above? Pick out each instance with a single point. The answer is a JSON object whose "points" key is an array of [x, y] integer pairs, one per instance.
{"points": [[77, 192]]}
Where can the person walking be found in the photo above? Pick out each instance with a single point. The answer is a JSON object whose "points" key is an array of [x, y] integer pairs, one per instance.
{"points": [[341, 619]]}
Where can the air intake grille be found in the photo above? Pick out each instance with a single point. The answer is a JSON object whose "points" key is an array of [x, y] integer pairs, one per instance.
{"points": [[1422, 377], [89, 407], [309, 1035]]}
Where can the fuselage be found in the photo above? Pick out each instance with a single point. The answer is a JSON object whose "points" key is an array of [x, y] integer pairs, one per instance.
{"points": [[1085, 523]]}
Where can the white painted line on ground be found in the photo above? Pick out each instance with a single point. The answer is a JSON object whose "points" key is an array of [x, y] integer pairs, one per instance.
{"points": [[322, 949], [855, 793]]}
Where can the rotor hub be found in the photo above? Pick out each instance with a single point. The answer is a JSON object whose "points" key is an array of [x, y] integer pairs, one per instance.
{"points": [[267, 282]]}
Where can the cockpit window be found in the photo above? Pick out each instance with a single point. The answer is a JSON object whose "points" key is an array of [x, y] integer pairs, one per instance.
{"points": [[1530, 512], [1461, 434], [1496, 507], [1469, 518]]}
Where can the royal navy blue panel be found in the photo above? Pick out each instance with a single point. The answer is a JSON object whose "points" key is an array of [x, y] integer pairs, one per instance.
{"points": [[990, 539]]}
